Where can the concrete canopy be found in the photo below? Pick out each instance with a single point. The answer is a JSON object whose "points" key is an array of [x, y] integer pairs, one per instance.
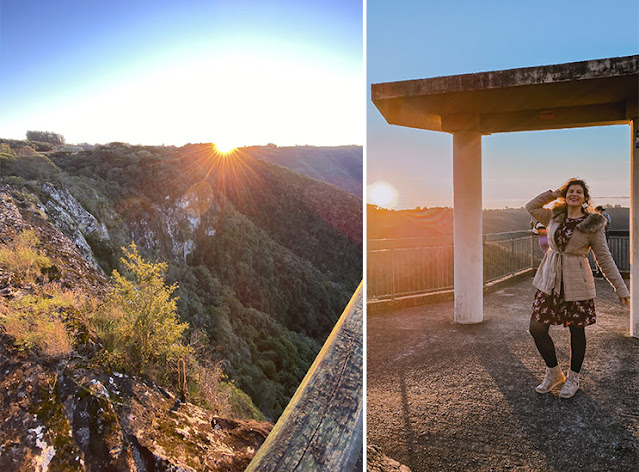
{"points": [[588, 93]]}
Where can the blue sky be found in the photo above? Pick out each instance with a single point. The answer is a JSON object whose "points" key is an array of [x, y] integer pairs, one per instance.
{"points": [[171, 72], [415, 39]]}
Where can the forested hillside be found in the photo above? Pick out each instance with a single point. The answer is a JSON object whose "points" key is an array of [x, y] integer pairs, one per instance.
{"points": [[265, 259], [342, 166], [425, 222]]}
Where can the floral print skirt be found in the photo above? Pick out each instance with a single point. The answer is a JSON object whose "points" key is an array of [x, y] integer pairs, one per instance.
{"points": [[553, 309]]}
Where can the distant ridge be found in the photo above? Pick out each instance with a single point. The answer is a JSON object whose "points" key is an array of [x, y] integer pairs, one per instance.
{"points": [[383, 223], [341, 166]]}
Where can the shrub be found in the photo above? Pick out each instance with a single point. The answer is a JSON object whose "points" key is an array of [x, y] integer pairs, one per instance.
{"points": [[25, 151], [5, 148], [30, 166], [22, 257], [43, 146], [138, 323], [38, 321]]}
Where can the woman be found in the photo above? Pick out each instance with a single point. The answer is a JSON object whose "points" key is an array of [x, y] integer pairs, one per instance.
{"points": [[565, 285]]}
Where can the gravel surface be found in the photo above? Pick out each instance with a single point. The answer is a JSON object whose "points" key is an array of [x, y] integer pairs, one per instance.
{"points": [[443, 396]]}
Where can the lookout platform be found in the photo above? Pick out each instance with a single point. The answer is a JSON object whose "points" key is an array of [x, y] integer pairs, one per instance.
{"points": [[449, 396], [587, 93]]}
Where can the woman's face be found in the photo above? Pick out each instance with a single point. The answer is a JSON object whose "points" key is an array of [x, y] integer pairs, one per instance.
{"points": [[575, 196]]}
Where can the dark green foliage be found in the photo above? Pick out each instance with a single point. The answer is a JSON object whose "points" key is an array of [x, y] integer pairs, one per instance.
{"points": [[34, 167], [276, 256], [42, 146], [279, 195], [271, 278], [267, 360]]}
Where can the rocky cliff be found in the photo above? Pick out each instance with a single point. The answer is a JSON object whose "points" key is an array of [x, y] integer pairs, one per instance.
{"points": [[67, 414], [66, 411], [264, 260]]}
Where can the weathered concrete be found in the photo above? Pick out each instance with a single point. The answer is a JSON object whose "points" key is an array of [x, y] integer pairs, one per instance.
{"points": [[587, 93], [468, 240], [444, 396]]}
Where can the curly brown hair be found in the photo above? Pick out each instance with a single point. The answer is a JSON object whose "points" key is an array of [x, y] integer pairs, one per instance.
{"points": [[574, 181]]}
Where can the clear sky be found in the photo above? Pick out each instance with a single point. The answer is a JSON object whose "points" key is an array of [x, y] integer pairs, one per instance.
{"points": [[170, 72], [421, 39]]}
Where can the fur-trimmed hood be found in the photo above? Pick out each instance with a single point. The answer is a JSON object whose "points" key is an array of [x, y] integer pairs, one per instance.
{"points": [[569, 269], [592, 223]]}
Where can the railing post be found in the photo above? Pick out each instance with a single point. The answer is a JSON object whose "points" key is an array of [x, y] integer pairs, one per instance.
{"points": [[532, 251], [392, 274]]}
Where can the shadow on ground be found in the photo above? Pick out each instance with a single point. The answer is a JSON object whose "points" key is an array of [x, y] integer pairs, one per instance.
{"points": [[442, 396]]}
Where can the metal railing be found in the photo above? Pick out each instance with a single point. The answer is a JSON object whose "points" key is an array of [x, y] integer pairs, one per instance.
{"points": [[619, 244], [506, 254], [403, 267]]}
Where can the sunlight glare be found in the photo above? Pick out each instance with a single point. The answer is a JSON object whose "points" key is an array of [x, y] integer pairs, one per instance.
{"points": [[229, 104], [225, 147], [382, 194]]}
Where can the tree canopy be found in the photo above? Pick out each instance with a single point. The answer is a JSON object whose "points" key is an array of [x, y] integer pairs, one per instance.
{"points": [[46, 137]]}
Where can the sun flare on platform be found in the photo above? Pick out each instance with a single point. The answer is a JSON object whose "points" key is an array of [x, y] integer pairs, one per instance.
{"points": [[382, 194]]}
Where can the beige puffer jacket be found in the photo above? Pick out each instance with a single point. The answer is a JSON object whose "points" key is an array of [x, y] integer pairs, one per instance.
{"points": [[571, 266]]}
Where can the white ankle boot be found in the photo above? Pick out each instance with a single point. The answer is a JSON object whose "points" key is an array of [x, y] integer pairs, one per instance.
{"points": [[571, 386], [554, 376]]}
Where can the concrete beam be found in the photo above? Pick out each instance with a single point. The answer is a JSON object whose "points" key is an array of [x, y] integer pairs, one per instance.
{"points": [[554, 118], [575, 91], [460, 122]]}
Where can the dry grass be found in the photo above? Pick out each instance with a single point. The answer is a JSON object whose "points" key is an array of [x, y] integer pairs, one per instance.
{"points": [[38, 321], [22, 258], [46, 335], [205, 376]]}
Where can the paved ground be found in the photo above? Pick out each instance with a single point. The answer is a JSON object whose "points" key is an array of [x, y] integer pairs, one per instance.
{"points": [[442, 396]]}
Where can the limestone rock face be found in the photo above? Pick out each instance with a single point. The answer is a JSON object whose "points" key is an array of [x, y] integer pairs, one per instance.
{"points": [[172, 226], [69, 415], [70, 266], [68, 215]]}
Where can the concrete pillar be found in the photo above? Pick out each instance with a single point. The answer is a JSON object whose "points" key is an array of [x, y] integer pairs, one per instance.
{"points": [[634, 228], [469, 267]]}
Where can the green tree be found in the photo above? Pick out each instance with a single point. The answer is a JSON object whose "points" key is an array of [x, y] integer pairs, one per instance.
{"points": [[139, 322], [46, 137]]}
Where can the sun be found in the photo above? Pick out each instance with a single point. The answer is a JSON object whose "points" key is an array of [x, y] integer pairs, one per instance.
{"points": [[225, 147], [382, 194]]}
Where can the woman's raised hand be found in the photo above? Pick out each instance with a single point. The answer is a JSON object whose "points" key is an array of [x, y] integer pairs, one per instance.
{"points": [[556, 193]]}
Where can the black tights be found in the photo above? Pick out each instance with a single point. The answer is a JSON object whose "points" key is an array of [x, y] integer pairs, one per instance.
{"points": [[546, 347]]}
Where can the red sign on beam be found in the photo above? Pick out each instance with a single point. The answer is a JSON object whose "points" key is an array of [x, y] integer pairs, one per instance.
{"points": [[547, 115]]}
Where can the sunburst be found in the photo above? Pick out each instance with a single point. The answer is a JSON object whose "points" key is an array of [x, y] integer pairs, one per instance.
{"points": [[225, 147]]}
